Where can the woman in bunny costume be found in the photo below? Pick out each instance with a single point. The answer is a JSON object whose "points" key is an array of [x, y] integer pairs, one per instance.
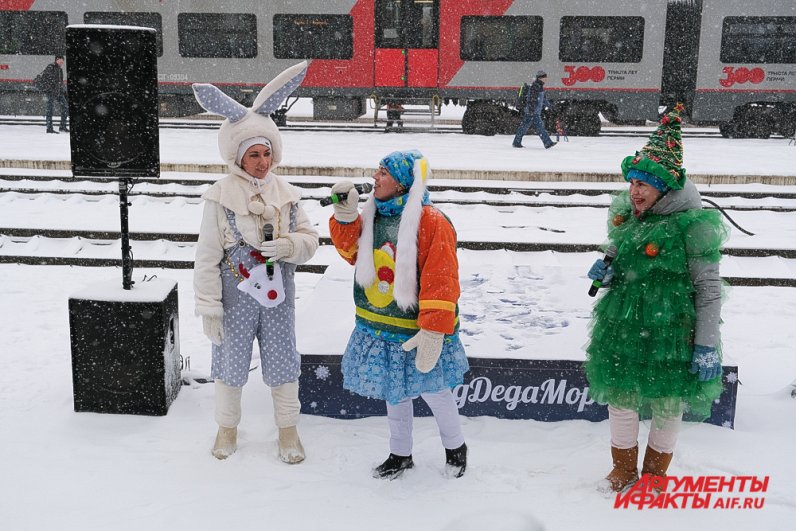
{"points": [[252, 236]]}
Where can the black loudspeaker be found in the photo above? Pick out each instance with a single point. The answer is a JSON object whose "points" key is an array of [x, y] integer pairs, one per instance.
{"points": [[112, 85], [125, 350]]}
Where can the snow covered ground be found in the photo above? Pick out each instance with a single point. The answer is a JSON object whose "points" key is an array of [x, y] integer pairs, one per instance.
{"points": [[69, 470]]}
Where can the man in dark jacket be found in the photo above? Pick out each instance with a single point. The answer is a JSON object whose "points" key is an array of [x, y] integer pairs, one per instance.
{"points": [[535, 103], [52, 84]]}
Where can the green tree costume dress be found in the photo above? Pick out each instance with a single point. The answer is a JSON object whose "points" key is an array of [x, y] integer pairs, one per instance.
{"points": [[642, 332]]}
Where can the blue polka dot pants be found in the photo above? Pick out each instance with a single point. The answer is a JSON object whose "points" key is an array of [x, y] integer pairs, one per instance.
{"points": [[245, 320]]}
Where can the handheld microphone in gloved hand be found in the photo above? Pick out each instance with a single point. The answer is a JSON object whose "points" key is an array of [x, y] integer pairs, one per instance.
{"points": [[363, 188], [610, 254], [268, 235]]}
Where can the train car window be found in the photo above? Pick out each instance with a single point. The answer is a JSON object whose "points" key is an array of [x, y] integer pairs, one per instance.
{"points": [[758, 40], [601, 39], [407, 24], [313, 36], [32, 32], [231, 35], [143, 20], [421, 24], [511, 38]]}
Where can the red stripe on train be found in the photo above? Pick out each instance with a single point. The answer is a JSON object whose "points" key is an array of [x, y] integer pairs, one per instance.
{"points": [[16, 5]]}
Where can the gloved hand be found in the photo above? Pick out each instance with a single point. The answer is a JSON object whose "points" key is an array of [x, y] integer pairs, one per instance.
{"points": [[707, 362], [600, 271], [429, 345], [213, 326], [277, 249], [346, 211]]}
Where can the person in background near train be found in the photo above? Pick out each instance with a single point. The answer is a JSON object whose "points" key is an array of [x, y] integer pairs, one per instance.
{"points": [[51, 82], [655, 344], [405, 343], [251, 216], [535, 101]]}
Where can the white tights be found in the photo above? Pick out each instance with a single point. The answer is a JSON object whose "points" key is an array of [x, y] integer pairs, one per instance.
{"points": [[624, 430], [446, 413]]}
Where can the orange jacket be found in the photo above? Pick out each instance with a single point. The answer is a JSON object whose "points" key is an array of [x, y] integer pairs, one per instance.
{"points": [[437, 263]]}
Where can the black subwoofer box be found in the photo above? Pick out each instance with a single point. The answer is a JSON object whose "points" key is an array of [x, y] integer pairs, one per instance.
{"points": [[125, 348]]}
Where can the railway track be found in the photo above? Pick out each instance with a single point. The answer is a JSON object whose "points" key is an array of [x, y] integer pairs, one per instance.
{"points": [[111, 246], [507, 196], [446, 126], [530, 220]]}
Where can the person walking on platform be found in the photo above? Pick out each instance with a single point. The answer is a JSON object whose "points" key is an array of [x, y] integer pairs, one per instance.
{"points": [[405, 343], [534, 102], [253, 234], [51, 83], [655, 345]]}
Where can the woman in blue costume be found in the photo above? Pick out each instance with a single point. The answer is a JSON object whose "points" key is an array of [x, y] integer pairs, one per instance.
{"points": [[405, 343]]}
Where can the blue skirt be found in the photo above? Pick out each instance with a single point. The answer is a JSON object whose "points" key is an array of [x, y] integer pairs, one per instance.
{"points": [[376, 368]]}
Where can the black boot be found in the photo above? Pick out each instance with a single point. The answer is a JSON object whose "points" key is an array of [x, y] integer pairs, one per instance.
{"points": [[393, 467], [51, 130], [456, 461]]}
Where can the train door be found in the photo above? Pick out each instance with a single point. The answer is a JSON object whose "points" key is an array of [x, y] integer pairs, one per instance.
{"points": [[407, 43]]}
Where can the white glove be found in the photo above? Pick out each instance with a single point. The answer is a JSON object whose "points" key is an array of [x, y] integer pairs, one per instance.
{"points": [[213, 326], [277, 249], [346, 210], [429, 346]]}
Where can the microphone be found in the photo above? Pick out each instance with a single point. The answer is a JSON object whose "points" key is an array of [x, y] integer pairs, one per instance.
{"points": [[268, 235], [610, 254], [363, 188]]}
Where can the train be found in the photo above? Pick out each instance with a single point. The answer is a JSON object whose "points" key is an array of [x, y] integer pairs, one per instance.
{"points": [[731, 62]]}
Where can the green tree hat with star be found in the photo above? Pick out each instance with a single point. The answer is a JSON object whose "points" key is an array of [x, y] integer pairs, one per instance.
{"points": [[663, 154]]}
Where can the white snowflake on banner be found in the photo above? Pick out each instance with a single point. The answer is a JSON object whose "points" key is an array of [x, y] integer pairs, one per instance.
{"points": [[343, 411], [313, 405], [727, 424], [732, 377], [322, 372]]}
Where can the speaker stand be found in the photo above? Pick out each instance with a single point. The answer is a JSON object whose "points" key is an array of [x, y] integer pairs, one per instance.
{"points": [[125, 183]]}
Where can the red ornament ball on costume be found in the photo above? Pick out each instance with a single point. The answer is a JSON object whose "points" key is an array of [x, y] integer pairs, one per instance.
{"points": [[652, 250], [618, 220], [386, 274], [665, 120], [272, 294]]}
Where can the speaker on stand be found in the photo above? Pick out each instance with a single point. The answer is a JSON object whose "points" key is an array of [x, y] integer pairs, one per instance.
{"points": [[125, 342]]}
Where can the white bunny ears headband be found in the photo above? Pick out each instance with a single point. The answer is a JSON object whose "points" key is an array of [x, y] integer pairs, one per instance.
{"points": [[243, 123]]}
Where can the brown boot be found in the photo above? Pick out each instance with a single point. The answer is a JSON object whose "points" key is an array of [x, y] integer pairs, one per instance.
{"points": [[655, 462], [625, 471]]}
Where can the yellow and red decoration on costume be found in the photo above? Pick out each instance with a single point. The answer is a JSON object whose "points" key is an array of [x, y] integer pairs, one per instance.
{"points": [[652, 249], [379, 293], [618, 220]]}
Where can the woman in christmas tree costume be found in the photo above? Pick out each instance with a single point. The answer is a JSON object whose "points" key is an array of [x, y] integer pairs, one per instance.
{"points": [[655, 344], [405, 343]]}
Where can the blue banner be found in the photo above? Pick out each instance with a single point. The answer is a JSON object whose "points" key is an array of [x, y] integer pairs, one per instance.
{"points": [[545, 390]]}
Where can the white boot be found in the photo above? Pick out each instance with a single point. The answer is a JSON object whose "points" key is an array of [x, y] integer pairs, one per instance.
{"points": [[290, 449], [226, 442], [286, 415], [227, 418]]}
